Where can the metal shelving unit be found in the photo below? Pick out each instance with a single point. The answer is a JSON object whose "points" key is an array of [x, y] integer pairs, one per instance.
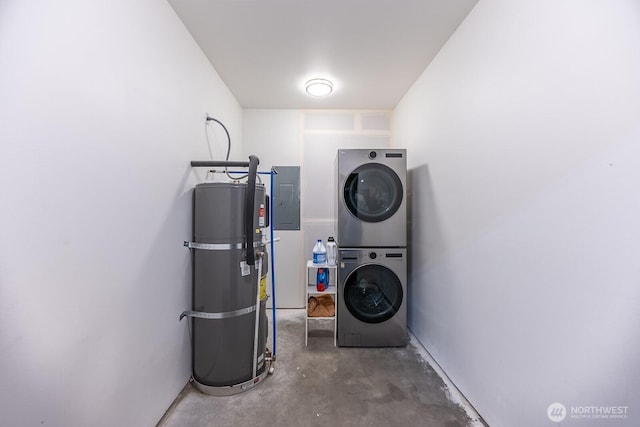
{"points": [[312, 290]]}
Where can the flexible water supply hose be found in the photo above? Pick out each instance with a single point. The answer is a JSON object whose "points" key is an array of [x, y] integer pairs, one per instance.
{"points": [[273, 267]]}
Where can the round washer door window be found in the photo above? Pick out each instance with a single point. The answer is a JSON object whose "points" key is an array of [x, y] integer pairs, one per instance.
{"points": [[373, 192], [373, 293]]}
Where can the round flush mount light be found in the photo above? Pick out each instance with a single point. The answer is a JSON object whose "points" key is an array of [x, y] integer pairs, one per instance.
{"points": [[318, 87]]}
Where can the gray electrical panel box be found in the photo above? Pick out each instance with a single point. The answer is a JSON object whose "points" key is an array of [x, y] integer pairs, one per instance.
{"points": [[286, 198]]}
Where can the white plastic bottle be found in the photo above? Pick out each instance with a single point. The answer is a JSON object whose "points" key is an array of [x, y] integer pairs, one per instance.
{"points": [[319, 253], [332, 251]]}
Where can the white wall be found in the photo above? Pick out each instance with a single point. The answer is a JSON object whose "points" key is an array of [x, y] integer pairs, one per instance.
{"points": [[274, 136], [102, 108], [524, 155], [310, 139]]}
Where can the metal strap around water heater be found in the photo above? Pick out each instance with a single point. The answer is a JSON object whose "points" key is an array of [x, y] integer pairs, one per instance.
{"points": [[218, 246], [220, 315]]}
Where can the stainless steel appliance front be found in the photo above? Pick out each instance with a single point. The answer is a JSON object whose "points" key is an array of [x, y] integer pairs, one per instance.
{"points": [[371, 202], [372, 297]]}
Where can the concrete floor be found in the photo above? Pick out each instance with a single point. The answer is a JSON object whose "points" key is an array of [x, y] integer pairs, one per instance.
{"points": [[322, 385]]}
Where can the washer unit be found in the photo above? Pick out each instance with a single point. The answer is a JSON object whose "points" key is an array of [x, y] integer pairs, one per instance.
{"points": [[371, 205], [372, 297]]}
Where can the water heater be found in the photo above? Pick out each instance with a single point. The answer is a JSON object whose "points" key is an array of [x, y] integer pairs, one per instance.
{"points": [[229, 322]]}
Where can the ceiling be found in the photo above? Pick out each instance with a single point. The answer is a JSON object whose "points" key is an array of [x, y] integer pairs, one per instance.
{"points": [[372, 50]]}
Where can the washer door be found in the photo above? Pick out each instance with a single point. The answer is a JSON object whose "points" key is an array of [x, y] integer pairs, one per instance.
{"points": [[372, 293], [373, 192]]}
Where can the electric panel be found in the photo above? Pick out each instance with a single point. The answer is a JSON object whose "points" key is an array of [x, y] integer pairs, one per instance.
{"points": [[286, 198]]}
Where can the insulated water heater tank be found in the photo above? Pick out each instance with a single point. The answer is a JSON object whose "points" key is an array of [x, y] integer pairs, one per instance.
{"points": [[228, 344]]}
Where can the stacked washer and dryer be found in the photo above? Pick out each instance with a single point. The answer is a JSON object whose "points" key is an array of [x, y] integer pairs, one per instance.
{"points": [[372, 247]]}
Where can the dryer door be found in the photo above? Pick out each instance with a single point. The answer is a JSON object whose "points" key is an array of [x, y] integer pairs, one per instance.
{"points": [[373, 192], [372, 293]]}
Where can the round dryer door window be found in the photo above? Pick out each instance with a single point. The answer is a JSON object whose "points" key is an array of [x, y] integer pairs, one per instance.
{"points": [[373, 293], [373, 192]]}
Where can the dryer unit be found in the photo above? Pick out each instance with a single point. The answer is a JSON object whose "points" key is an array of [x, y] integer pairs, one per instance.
{"points": [[372, 297], [371, 205]]}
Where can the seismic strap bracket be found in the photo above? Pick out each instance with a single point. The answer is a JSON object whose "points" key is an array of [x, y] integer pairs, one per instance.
{"points": [[221, 315], [217, 246]]}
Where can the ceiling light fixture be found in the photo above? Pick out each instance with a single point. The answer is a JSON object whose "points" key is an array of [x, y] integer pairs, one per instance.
{"points": [[318, 87]]}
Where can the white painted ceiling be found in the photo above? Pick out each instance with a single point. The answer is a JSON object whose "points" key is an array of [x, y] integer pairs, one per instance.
{"points": [[373, 50]]}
